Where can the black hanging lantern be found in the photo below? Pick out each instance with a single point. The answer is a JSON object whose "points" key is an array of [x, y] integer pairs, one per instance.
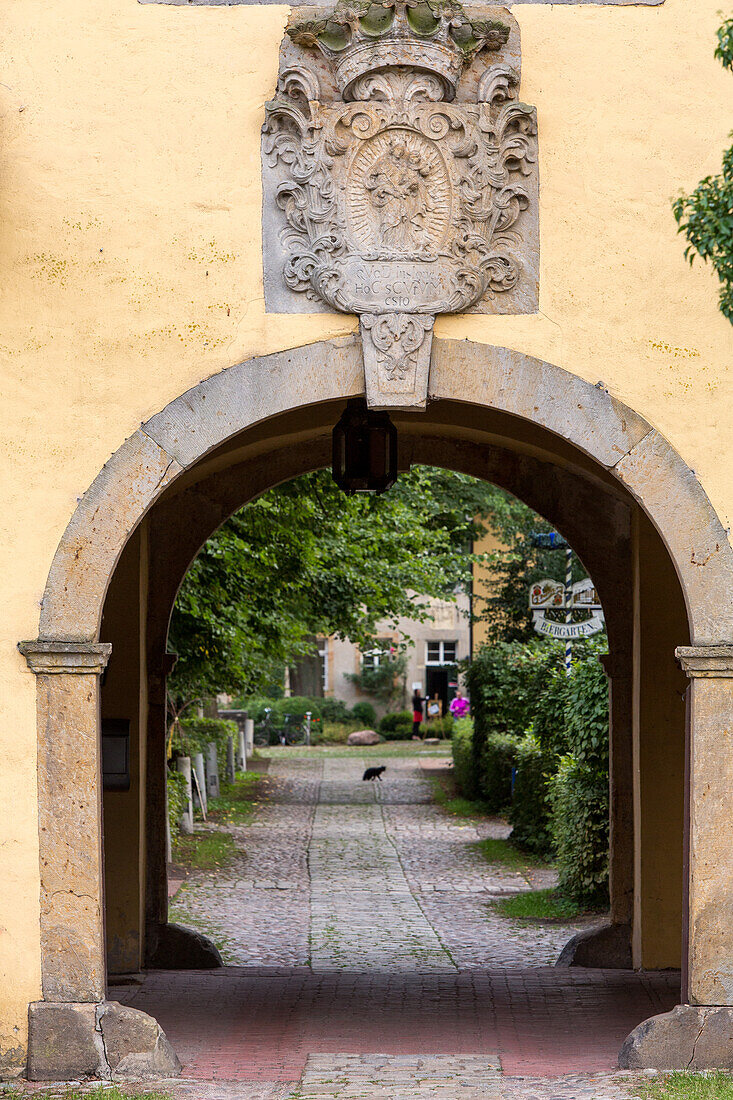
{"points": [[364, 450]]}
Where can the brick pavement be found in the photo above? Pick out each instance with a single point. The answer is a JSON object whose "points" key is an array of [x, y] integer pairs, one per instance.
{"points": [[356, 920]]}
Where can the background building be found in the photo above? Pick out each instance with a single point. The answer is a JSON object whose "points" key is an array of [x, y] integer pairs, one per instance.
{"points": [[438, 644]]}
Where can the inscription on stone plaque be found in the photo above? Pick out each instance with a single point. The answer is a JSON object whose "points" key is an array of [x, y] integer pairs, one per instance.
{"points": [[400, 178]]}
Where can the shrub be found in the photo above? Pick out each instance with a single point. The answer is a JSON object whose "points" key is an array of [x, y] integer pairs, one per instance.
{"points": [[550, 718], [587, 714], [530, 811], [176, 798], [504, 683], [365, 713], [192, 735], [335, 733], [334, 710], [298, 706], [464, 772], [579, 798], [495, 770], [396, 726]]}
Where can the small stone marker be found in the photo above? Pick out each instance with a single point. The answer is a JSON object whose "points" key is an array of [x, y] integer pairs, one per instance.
{"points": [[212, 771], [200, 785], [183, 765], [230, 759]]}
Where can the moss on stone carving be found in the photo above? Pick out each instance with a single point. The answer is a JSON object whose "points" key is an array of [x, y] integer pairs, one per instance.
{"points": [[334, 31]]}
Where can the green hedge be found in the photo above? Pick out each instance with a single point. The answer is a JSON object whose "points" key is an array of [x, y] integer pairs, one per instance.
{"points": [[464, 772], [176, 799], [498, 758], [193, 735], [396, 726], [553, 729], [364, 712], [530, 811], [579, 796]]}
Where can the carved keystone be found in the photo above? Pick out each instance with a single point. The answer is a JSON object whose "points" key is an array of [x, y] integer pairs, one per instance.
{"points": [[396, 359]]}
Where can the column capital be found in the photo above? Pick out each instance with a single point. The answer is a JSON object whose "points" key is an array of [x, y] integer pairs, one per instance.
{"points": [[706, 661], [72, 658]]}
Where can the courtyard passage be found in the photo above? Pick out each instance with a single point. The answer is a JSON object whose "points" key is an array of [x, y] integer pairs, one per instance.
{"points": [[364, 958]]}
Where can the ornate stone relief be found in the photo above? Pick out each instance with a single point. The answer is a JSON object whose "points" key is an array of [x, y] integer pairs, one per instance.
{"points": [[389, 194]]}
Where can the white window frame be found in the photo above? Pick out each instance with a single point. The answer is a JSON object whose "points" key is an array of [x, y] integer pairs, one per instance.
{"points": [[323, 654], [441, 643], [376, 654]]}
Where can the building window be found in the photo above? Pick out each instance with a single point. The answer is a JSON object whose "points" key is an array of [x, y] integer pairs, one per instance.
{"points": [[323, 657], [441, 653], [372, 658]]}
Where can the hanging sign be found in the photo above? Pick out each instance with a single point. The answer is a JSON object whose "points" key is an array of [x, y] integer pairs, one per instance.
{"points": [[548, 595]]}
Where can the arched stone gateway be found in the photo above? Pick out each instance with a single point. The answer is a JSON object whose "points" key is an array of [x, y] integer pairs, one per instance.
{"points": [[556, 441]]}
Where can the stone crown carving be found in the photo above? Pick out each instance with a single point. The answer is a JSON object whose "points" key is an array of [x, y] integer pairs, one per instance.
{"points": [[390, 192], [362, 38]]}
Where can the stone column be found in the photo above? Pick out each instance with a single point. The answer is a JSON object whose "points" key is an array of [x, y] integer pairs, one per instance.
{"points": [[183, 764], [160, 665], [199, 789], [69, 812], [74, 1032], [241, 752], [710, 948], [249, 735], [212, 770], [697, 1035]]}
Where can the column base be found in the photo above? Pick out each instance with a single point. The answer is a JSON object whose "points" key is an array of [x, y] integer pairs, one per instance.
{"points": [[72, 1040], [179, 948], [693, 1037], [605, 946]]}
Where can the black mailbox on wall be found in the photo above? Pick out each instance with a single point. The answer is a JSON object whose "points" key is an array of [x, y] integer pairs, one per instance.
{"points": [[116, 754]]}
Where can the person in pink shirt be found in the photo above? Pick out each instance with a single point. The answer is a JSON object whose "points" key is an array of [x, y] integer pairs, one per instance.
{"points": [[459, 706]]}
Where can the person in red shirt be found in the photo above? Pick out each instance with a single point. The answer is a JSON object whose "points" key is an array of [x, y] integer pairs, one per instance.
{"points": [[417, 712]]}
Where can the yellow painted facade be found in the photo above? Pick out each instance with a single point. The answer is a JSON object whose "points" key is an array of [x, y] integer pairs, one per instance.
{"points": [[482, 586], [130, 262]]}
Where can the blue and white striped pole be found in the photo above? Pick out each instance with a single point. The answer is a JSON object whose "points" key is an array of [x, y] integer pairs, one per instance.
{"points": [[568, 608]]}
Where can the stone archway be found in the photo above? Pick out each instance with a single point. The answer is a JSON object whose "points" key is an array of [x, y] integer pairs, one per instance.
{"points": [[68, 657]]}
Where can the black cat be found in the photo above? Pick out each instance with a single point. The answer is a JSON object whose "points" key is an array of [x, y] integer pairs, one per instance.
{"points": [[374, 773]]}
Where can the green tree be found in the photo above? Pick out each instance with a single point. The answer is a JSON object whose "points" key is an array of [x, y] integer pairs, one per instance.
{"points": [[706, 215], [306, 560]]}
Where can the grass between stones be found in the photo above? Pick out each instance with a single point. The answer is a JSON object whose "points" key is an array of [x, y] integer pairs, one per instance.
{"points": [[538, 905], [237, 800], [206, 850], [445, 796], [495, 850], [87, 1092], [385, 748], [715, 1085]]}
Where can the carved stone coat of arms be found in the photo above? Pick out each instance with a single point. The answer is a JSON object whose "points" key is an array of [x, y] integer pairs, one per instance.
{"points": [[400, 178]]}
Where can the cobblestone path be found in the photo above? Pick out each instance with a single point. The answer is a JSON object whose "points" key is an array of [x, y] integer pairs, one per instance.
{"points": [[364, 960], [390, 879], [363, 915]]}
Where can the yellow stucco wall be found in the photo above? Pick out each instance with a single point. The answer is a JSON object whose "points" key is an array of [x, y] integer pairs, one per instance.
{"points": [[130, 267]]}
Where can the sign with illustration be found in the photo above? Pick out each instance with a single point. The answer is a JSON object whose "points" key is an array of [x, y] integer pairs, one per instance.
{"points": [[583, 614]]}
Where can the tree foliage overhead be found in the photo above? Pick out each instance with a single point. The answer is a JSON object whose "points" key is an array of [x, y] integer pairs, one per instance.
{"points": [[305, 559], [706, 216]]}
